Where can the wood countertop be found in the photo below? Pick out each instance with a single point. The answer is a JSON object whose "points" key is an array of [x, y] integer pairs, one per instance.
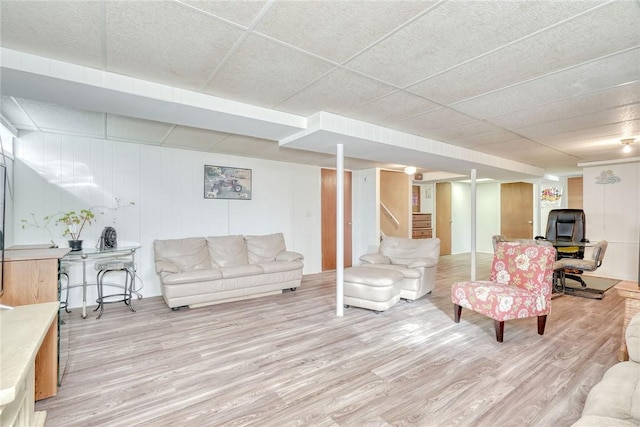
{"points": [[22, 331]]}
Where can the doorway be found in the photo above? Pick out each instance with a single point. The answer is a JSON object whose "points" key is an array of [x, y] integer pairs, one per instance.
{"points": [[443, 216], [516, 210], [328, 191]]}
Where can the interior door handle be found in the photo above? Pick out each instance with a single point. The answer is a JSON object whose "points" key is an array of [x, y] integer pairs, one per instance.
{"points": [[530, 222]]}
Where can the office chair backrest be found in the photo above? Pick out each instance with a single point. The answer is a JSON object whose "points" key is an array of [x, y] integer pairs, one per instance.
{"points": [[599, 250], [567, 224]]}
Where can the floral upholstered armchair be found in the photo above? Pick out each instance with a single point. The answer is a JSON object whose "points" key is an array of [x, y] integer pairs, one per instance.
{"points": [[520, 286]]}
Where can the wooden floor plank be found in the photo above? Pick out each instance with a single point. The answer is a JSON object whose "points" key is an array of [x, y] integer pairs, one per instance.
{"points": [[287, 360]]}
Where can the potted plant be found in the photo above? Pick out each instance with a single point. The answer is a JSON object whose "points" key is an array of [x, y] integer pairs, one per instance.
{"points": [[75, 223]]}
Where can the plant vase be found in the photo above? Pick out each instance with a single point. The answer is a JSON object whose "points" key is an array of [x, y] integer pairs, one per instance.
{"points": [[75, 245]]}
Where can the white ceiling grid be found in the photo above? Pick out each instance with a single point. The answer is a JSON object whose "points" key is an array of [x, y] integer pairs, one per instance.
{"points": [[545, 83]]}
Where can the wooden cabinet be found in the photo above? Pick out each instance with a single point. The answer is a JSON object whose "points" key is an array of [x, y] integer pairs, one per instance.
{"points": [[23, 332], [31, 277], [421, 226]]}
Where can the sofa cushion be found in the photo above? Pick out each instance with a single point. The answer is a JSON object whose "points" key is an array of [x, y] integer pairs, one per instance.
{"points": [[411, 273], [617, 395], [402, 251], [227, 251], [633, 338], [264, 248], [598, 421], [240, 271], [188, 254], [289, 256], [191, 276], [278, 266]]}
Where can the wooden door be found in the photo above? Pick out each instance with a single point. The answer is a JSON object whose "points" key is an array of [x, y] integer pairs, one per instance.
{"points": [[328, 195], [574, 193], [516, 210], [443, 216]]}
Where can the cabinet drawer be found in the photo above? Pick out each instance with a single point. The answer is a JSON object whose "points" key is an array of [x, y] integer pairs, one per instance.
{"points": [[422, 233], [421, 223]]}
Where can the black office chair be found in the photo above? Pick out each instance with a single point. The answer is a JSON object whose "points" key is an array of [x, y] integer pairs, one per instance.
{"points": [[568, 225]]}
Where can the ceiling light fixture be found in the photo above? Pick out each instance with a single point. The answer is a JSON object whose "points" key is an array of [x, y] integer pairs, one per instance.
{"points": [[627, 144], [410, 170]]}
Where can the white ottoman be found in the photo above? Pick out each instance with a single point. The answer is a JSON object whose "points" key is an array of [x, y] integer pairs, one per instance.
{"points": [[372, 288]]}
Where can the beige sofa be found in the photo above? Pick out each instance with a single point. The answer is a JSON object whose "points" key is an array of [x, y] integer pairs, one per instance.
{"points": [[199, 271], [615, 400], [416, 259]]}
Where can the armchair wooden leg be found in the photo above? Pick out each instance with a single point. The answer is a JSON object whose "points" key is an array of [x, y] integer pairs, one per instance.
{"points": [[457, 310], [499, 330], [542, 322]]}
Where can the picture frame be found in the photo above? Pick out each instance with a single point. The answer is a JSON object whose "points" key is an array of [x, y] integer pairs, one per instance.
{"points": [[223, 182]]}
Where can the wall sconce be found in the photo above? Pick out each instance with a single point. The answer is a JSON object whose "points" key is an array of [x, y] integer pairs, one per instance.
{"points": [[410, 170], [627, 144]]}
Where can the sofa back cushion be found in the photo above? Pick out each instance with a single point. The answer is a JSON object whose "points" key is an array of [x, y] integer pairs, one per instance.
{"points": [[633, 338], [402, 251], [227, 251], [264, 248], [188, 254]]}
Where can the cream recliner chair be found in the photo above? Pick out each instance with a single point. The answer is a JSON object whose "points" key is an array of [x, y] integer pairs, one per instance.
{"points": [[416, 259]]}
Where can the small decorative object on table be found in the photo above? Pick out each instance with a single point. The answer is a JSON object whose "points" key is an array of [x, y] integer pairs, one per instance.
{"points": [[75, 223]]}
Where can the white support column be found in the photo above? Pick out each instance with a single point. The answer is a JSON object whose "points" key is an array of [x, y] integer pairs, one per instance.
{"points": [[339, 230], [474, 221]]}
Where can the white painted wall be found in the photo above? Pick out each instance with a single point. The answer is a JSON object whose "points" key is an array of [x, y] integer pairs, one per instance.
{"points": [[55, 173], [488, 215], [461, 217], [613, 214], [427, 196], [365, 213]]}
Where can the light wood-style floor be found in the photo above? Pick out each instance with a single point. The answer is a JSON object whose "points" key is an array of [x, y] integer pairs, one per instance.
{"points": [[287, 360]]}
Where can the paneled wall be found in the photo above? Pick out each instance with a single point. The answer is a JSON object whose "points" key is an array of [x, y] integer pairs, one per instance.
{"points": [[160, 193], [612, 209]]}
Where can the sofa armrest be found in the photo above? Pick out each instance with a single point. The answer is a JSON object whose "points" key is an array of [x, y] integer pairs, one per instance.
{"points": [[423, 262], [289, 256], [633, 338], [167, 267], [374, 258]]}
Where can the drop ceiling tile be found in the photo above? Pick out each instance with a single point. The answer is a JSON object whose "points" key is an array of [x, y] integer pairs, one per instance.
{"points": [[573, 42], [595, 149], [615, 115], [263, 72], [188, 137], [35, 27], [166, 42], [472, 134], [590, 77], [571, 107], [336, 30], [614, 130], [132, 129], [242, 12], [336, 92], [58, 118], [424, 124], [455, 32], [532, 154], [392, 108], [15, 115]]}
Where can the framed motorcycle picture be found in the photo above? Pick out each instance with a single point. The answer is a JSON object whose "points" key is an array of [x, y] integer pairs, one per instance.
{"points": [[222, 182]]}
